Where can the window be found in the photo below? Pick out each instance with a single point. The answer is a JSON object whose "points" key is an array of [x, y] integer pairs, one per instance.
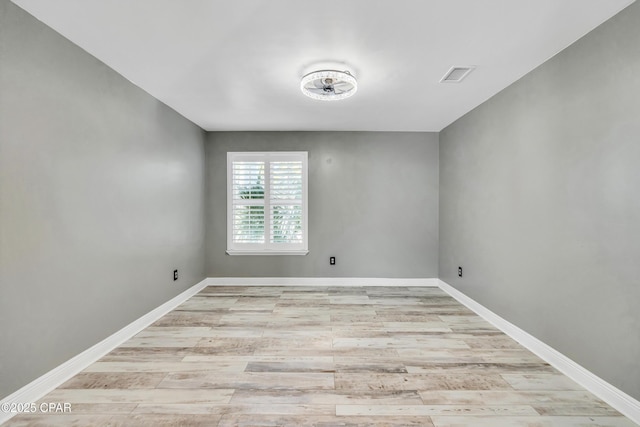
{"points": [[267, 203]]}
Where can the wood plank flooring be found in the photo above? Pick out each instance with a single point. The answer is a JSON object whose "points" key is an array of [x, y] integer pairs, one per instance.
{"points": [[323, 356]]}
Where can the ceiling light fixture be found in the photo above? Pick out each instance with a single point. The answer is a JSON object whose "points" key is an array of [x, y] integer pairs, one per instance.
{"points": [[329, 85]]}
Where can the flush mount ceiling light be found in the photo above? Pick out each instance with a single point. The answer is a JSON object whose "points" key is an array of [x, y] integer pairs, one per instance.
{"points": [[329, 85]]}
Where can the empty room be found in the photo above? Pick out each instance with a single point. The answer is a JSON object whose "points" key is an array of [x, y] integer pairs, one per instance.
{"points": [[338, 213]]}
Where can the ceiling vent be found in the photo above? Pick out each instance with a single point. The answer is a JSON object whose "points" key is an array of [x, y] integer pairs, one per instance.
{"points": [[456, 74]]}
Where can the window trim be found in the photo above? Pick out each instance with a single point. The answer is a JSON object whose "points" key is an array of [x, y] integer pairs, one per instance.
{"points": [[267, 248]]}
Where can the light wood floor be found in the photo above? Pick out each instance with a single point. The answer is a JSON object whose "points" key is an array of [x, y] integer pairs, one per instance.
{"points": [[323, 356]]}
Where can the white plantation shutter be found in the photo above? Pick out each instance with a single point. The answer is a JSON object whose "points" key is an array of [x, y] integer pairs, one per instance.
{"points": [[248, 202], [267, 203], [285, 214]]}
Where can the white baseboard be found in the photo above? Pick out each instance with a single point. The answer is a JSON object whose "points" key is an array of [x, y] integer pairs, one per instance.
{"points": [[39, 387], [619, 400], [319, 281]]}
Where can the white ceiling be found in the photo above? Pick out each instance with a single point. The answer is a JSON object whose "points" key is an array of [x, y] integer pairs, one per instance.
{"points": [[236, 65]]}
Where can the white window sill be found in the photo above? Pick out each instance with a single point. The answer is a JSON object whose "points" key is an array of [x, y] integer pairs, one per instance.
{"points": [[265, 252]]}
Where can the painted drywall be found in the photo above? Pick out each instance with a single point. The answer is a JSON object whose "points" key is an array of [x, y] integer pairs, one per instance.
{"points": [[373, 204], [101, 198], [539, 202]]}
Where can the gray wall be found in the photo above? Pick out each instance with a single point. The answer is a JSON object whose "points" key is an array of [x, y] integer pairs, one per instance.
{"points": [[373, 203], [101, 197], [539, 202]]}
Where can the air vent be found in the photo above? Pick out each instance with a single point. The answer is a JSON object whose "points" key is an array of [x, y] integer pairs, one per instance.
{"points": [[456, 74]]}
